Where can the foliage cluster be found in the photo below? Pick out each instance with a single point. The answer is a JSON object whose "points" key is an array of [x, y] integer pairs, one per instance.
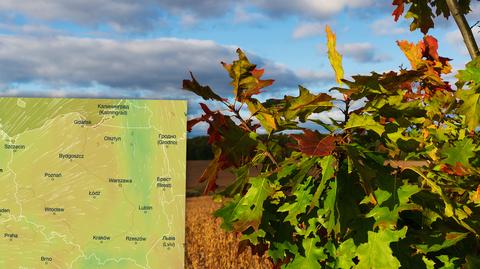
{"points": [[394, 183]]}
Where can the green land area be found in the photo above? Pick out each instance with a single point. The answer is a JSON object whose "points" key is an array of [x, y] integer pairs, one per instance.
{"points": [[92, 183]]}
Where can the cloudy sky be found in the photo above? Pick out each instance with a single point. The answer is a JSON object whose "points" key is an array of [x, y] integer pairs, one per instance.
{"points": [[144, 48]]}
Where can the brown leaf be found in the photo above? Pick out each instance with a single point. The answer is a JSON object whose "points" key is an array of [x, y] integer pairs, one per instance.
{"points": [[312, 143], [210, 173], [203, 91]]}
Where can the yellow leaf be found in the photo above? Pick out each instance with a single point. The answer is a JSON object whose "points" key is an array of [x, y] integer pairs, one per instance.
{"points": [[267, 120], [433, 154], [475, 196], [333, 55]]}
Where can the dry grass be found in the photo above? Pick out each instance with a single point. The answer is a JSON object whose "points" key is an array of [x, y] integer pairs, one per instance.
{"points": [[208, 246]]}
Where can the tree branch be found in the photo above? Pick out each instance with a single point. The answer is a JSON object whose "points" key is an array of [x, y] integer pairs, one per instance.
{"points": [[464, 28]]}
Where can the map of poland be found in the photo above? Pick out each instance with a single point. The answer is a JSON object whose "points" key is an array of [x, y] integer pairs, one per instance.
{"points": [[92, 183]]}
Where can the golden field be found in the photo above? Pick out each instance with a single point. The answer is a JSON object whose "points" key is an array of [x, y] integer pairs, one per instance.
{"points": [[208, 246]]}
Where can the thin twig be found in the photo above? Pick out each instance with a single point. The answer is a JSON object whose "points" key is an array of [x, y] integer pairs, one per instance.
{"points": [[475, 24]]}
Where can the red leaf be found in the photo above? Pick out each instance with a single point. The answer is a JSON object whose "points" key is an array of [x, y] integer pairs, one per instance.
{"points": [[214, 135], [193, 122], [204, 117], [312, 143], [206, 109], [457, 170], [399, 10], [216, 121], [383, 120], [430, 47], [260, 84]]}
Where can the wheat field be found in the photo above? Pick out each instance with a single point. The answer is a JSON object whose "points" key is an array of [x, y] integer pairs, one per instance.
{"points": [[208, 246]]}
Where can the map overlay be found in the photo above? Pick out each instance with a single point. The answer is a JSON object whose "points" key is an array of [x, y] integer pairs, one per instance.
{"points": [[92, 183]]}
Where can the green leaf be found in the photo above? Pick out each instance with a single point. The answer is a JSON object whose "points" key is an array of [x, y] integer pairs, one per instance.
{"points": [[470, 75], [470, 107], [345, 254], [305, 104], [376, 253], [381, 196], [313, 255], [364, 122], [461, 151], [405, 192], [247, 211], [302, 200], [428, 263], [448, 262], [286, 170], [253, 237], [327, 214], [328, 165], [422, 16], [384, 217], [449, 239], [245, 77], [241, 178], [472, 262], [302, 106], [279, 250]]}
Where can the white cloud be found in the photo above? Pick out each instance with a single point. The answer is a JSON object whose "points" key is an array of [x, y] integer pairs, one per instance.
{"points": [[318, 9], [361, 52], [188, 20], [326, 116], [308, 30], [311, 76], [387, 26], [153, 67], [146, 15], [455, 39], [30, 29], [120, 15], [139, 64], [243, 15], [123, 14], [475, 13]]}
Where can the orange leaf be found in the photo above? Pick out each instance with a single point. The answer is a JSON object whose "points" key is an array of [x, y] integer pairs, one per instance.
{"points": [[412, 51], [257, 73]]}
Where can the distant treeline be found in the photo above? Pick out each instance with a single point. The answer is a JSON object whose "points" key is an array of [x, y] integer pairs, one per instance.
{"points": [[199, 149]]}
